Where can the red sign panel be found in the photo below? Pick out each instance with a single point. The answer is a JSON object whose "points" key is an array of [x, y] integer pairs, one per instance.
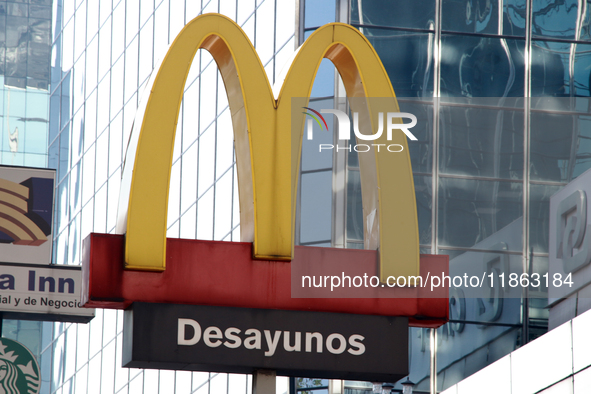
{"points": [[225, 274]]}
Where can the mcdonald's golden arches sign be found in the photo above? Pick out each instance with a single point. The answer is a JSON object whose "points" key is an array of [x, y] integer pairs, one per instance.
{"points": [[141, 264]]}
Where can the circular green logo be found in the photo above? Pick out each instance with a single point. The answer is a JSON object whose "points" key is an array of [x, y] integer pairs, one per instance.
{"points": [[19, 371]]}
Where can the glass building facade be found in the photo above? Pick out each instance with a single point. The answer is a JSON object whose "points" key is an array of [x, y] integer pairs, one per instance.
{"points": [[483, 176], [501, 93], [25, 47], [103, 53]]}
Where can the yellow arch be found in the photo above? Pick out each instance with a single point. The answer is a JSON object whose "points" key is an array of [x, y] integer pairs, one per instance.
{"points": [[267, 159]]}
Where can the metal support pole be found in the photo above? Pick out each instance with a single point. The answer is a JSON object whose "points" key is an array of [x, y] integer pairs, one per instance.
{"points": [[264, 382], [433, 347], [336, 386]]}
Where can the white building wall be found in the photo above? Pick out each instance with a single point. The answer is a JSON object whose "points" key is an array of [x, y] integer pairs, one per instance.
{"points": [[557, 362]]}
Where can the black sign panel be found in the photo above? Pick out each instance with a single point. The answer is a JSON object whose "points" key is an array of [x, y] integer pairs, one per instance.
{"points": [[241, 340]]}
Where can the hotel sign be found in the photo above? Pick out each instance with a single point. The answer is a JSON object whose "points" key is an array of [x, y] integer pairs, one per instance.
{"points": [[50, 293], [30, 287]]}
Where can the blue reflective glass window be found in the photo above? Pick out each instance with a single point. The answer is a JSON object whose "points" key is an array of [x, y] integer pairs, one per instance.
{"points": [[319, 12], [354, 213], [560, 69], [394, 13], [487, 345], [420, 151], [53, 155], [324, 80], [62, 211], [66, 101], [37, 106], [3, 52], [54, 117], [424, 193], [483, 16], [539, 216], [64, 155], [316, 207], [56, 57], [16, 45], [482, 140], [35, 138], [559, 145], [412, 74], [75, 187], [474, 66], [312, 158], [560, 19], [15, 103], [471, 210]]}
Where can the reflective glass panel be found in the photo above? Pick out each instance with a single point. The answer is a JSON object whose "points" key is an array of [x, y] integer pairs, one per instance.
{"points": [[560, 19], [539, 216], [223, 206], [420, 151], [312, 158], [424, 192], [104, 57], [482, 140], [80, 31], [491, 353], [205, 220], [474, 66], [483, 16], [412, 74], [131, 69], [316, 207], [189, 177], [471, 210], [354, 211], [319, 12], [146, 50], [559, 146], [324, 79], [560, 69], [224, 144], [394, 13]]}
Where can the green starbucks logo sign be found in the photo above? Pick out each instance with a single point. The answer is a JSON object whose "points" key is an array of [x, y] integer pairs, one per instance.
{"points": [[19, 371]]}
